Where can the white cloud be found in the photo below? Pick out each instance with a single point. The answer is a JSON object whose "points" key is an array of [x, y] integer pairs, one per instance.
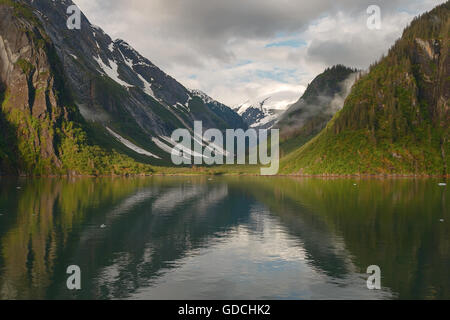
{"points": [[221, 48]]}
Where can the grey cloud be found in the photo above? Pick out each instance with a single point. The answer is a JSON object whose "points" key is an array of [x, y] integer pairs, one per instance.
{"points": [[207, 26], [206, 37], [354, 52]]}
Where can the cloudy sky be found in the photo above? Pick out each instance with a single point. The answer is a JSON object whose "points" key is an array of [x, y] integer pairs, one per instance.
{"points": [[247, 50]]}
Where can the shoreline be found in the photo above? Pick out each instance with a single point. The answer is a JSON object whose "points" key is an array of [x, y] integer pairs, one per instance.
{"points": [[194, 174]]}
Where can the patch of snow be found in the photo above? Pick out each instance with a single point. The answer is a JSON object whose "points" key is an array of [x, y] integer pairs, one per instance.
{"points": [[205, 98], [181, 106], [124, 44], [168, 149], [187, 102], [198, 139], [97, 28], [267, 119], [112, 71], [130, 145], [209, 146], [243, 107], [168, 140], [162, 145], [145, 64], [127, 61], [147, 87]]}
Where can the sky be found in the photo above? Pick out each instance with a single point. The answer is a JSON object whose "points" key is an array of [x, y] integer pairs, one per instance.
{"points": [[240, 51]]}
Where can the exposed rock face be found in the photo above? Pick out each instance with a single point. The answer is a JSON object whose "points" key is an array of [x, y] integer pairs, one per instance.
{"points": [[261, 119], [432, 63], [156, 101], [432, 68], [80, 84], [258, 115], [31, 108]]}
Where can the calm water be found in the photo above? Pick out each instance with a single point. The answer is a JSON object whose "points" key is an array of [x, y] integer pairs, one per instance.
{"points": [[224, 238]]}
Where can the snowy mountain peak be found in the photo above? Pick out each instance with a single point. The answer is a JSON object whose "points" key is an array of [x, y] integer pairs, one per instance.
{"points": [[258, 114], [202, 95]]}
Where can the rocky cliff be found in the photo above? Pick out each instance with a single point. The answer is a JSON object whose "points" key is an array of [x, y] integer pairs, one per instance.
{"points": [[65, 89]]}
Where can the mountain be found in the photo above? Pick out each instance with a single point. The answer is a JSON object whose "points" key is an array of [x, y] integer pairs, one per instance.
{"points": [[258, 115], [41, 129], [230, 119], [324, 97], [59, 84], [396, 119]]}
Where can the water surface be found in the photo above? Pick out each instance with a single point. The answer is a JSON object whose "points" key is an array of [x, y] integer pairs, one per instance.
{"points": [[224, 238]]}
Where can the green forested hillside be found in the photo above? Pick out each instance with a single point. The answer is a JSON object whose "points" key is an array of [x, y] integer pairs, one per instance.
{"points": [[396, 119], [311, 113]]}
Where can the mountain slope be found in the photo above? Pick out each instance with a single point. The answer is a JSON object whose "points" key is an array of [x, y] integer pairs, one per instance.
{"points": [[258, 115], [41, 129], [225, 117], [396, 118], [105, 91], [117, 88], [310, 114]]}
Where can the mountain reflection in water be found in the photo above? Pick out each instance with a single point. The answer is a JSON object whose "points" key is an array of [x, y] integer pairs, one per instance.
{"points": [[225, 238]]}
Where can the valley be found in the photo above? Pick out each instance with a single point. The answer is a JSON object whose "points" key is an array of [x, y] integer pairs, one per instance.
{"points": [[90, 105]]}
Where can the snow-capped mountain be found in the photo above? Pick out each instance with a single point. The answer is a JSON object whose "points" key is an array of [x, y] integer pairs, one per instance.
{"points": [[116, 87], [233, 119], [258, 115]]}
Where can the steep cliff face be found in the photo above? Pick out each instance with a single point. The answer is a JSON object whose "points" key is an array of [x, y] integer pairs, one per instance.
{"points": [[31, 99], [396, 119], [41, 129]]}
